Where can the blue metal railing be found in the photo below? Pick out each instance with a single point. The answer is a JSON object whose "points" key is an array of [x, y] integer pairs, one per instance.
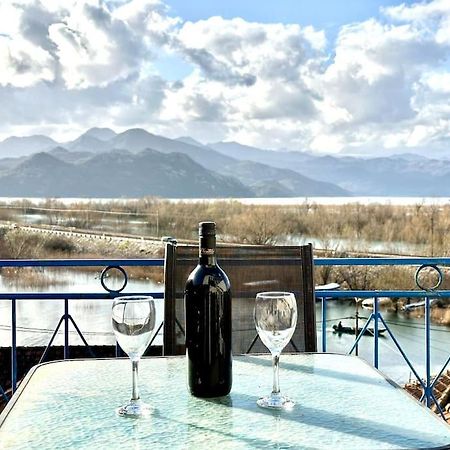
{"points": [[427, 384], [66, 317]]}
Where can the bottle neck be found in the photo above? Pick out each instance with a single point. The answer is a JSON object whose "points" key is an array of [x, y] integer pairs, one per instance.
{"points": [[207, 250]]}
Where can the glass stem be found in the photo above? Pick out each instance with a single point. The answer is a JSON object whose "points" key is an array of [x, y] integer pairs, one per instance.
{"points": [[135, 392], [276, 374]]}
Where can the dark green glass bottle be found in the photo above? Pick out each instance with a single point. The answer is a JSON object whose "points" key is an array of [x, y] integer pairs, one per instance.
{"points": [[208, 321]]}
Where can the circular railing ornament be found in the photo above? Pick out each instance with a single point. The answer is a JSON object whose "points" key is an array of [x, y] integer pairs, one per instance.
{"points": [[106, 273], [422, 270]]}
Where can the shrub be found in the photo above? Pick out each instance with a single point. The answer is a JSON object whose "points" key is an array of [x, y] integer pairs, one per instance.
{"points": [[4, 250], [59, 244], [23, 245]]}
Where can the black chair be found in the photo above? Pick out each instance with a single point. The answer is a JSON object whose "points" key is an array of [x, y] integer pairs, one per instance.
{"points": [[251, 269]]}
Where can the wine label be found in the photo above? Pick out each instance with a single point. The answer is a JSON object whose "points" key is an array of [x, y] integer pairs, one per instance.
{"points": [[207, 245], [207, 251]]}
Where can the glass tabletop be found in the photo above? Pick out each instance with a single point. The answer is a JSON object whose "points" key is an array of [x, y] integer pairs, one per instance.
{"points": [[341, 403]]}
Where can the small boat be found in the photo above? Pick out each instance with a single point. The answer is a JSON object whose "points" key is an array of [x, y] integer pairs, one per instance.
{"points": [[351, 330], [327, 287], [382, 301], [420, 304]]}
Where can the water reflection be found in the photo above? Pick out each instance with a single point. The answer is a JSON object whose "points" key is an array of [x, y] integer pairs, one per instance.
{"points": [[409, 331], [345, 244], [37, 319]]}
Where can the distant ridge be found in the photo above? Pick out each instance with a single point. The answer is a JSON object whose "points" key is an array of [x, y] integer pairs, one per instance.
{"points": [[87, 143], [268, 181], [118, 174], [400, 175], [190, 141], [103, 134], [261, 172], [14, 146]]}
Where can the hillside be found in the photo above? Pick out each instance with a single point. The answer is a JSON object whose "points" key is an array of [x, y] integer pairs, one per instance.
{"points": [[118, 174]]}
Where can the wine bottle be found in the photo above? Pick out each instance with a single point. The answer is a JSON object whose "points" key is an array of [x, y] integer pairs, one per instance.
{"points": [[207, 300]]}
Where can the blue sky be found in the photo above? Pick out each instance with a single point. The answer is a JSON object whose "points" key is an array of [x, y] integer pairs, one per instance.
{"points": [[328, 76], [327, 14]]}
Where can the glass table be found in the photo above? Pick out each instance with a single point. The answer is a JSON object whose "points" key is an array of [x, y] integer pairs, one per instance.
{"points": [[341, 403]]}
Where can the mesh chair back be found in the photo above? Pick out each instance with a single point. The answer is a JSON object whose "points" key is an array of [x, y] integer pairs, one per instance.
{"points": [[251, 269]]}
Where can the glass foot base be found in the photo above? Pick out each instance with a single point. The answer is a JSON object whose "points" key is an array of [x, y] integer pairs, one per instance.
{"points": [[275, 401], [134, 409]]}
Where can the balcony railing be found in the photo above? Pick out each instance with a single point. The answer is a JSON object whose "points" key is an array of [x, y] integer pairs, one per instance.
{"points": [[427, 295], [108, 293]]}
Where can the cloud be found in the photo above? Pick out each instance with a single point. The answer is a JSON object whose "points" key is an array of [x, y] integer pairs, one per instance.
{"points": [[23, 64], [245, 73], [67, 64], [382, 85], [249, 50], [388, 78], [80, 44]]}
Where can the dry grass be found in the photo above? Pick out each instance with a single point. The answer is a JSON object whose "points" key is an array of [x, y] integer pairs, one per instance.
{"points": [[417, 224], [441, 316], [17, 244]]}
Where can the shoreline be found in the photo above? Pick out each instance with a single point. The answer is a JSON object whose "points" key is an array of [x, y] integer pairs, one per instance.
{"points": [[336, 201]]}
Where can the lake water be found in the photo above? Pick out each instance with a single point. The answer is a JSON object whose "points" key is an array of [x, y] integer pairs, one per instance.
{"points": [[36, 320], [362, 245], [410, 332], [366, 200], [400, 201]]}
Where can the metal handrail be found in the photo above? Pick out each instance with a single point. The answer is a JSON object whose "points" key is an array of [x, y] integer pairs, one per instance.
{"points": [[427, 384], [376, 316], [383, 261], [66, 317]]}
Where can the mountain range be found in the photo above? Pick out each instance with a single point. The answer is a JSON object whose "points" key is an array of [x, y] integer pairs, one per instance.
{"points": [[134, 163]]}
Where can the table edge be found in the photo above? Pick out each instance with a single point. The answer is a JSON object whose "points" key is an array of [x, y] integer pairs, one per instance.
{"points": [[33, 370]]}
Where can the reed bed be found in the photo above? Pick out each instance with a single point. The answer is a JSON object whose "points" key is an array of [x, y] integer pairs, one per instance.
{"points": [[424, 227]]}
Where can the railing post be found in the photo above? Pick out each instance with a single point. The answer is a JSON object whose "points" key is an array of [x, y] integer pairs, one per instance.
{"points": [[13, 346], [66, 328], [356, 324], [428, 387], [324, 324], [169, 333], [375, 332], [428, 393]]}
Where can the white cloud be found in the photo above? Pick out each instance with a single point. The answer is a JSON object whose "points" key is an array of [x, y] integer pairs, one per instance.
{"points": [[238, 52], [438, 82], [253, 78], [94, 48], [23, 63], [384, 84], [83, 43], [390, 79]]}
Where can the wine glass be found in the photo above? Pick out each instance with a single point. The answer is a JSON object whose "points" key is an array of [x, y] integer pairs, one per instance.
{"points": [[133, 322], [275, 320]]}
